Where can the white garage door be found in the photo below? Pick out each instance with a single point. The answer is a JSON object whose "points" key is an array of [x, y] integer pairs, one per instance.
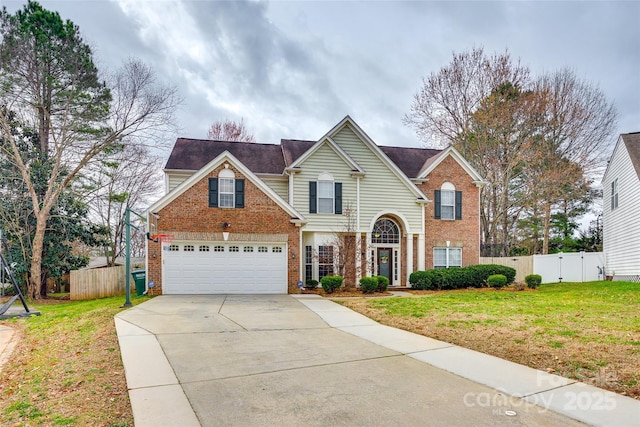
{"points": [[224, 268]]}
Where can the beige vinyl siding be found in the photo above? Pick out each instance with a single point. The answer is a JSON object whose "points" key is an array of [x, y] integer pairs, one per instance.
{"points": [[324, 160], [175, 179], [380, 189], [278, 184], [621, 226]]}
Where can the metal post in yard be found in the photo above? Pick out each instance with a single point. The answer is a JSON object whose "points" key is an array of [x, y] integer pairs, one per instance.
{"points": [[127, 256]]}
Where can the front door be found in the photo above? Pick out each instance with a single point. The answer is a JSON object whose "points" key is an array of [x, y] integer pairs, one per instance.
{"points": [[384, 263]]}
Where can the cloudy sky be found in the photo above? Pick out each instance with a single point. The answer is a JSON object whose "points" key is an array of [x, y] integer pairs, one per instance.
{"points": [[293, 69]]}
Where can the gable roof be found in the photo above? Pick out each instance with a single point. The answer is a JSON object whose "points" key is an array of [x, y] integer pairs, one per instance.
{"points": [[434, 161], [406, 162], [326, 140], [226, 156], [632, 142], [193, 154]]}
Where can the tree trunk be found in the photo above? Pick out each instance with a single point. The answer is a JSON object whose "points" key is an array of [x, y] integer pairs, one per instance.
{"points": [[35, 281]]}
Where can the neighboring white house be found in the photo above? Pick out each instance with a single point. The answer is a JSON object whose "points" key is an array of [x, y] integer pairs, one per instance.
{"points": [[621, 210]]}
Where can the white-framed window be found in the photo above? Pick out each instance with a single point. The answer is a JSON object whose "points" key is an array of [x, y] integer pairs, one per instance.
{"points": [[614, 194], [447, 257], [276, 249], [226, 189], [189, 248], [218, 248], [263, 249], [326, 196], [203, 248], [174, 248], [248, 249], [325, 261], [447, 201], [226, 192], [234, 249]]}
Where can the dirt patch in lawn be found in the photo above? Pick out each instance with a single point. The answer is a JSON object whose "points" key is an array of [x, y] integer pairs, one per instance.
{"points": [[574, 352]]}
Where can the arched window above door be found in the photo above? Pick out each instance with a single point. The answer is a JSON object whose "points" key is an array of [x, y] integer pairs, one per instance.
{"points": [[385, 231]]}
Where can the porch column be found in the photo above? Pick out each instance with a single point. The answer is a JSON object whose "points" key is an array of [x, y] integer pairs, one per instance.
{"points": [[358, 258], [368, 254], [409, 257], [421, 253]]}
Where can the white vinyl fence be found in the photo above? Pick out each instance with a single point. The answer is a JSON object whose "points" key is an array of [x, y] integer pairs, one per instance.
{"points": [[562, 267], [570, 267]]}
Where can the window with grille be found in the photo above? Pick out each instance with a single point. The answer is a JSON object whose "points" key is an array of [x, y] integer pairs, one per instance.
{"points": [[203, 248], [234, 249], [325, 261], [276, 249], [385, 231], [189, 248], [263, 249], [218, 248], [248, 249]]}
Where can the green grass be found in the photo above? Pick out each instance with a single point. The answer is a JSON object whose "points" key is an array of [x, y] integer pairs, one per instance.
{"points": [[588, 331], [66, 369], [563, 310]]}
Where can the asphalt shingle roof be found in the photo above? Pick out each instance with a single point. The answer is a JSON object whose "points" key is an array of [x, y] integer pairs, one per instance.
{"points": [[193, 154]]}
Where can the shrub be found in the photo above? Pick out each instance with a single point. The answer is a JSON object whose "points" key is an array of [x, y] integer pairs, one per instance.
{"points": [[331, 283], [383, 283], [311, 284], [420, 280], [368, 285], [9, 290], [497, 281], [480, 273], [533, 280]]}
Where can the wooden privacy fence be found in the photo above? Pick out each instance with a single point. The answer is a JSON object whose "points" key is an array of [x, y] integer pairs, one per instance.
{"points": [[97, 283], [522, 264]]}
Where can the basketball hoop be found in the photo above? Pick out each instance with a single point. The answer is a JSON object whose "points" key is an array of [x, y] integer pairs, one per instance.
{"points": [[162, 238]]}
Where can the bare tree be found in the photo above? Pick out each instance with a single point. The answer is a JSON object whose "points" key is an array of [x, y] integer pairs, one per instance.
{"points": [[48, 78], [127, 175], [444, 105], [229, 130], [535, 146], [345, 253]]}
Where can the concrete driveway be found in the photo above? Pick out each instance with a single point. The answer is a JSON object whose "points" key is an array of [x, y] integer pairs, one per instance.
{"points": [[306, 361]]}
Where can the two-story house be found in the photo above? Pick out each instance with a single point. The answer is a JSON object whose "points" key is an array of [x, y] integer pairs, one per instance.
{"points": [[621, 223], [261, 218]]}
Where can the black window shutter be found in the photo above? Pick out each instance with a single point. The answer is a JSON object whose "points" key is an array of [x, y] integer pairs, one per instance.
{"points": [[436, 205], [239, 193], [338, 198], [213, 192], [313, 197], [458, 204]]}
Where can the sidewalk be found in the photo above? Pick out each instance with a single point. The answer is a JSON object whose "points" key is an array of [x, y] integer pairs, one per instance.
{"points": [[591, 405]]}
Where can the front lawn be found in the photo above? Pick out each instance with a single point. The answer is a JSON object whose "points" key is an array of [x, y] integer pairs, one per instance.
{"points": [[66, 369], [586, 331]]}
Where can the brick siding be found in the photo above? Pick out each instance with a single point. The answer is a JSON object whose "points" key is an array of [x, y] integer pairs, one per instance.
{"points": [[190, 212], [464, 233]]}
